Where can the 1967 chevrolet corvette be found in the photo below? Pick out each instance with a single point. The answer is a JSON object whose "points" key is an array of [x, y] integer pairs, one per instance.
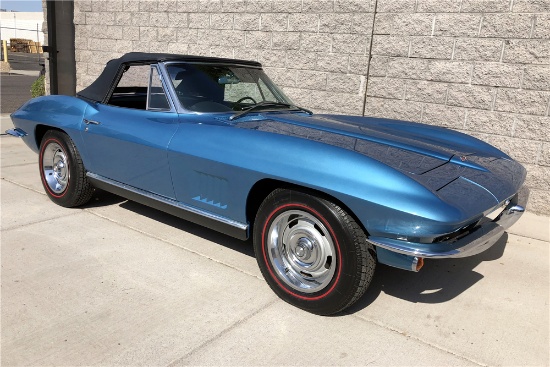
{"points": [[325, 197]]}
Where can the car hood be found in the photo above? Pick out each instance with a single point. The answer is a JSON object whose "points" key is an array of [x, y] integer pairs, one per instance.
{"points": [[431, 155]]}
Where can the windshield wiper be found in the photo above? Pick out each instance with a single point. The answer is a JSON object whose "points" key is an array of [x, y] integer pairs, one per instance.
{"points": [[264, 104]]}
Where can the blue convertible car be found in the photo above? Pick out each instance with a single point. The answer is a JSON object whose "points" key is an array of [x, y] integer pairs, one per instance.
{"points": [[324, 197]]}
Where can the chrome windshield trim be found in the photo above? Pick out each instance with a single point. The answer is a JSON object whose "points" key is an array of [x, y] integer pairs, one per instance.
{"points": [[171, 202]]}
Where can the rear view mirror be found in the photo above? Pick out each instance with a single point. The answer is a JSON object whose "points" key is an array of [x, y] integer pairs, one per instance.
{"points": [[228, 79]]}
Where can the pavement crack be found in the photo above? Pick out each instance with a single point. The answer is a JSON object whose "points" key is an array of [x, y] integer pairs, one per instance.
{"points": [[38, 221], [23, 186], [418, 339], [236, 324]]}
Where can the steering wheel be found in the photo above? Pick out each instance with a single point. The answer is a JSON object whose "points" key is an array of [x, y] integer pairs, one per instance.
{"points": [[245, 98]]}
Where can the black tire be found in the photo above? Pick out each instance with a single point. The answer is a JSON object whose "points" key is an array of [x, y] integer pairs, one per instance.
{"points": [[311, 252], [62, 172]]}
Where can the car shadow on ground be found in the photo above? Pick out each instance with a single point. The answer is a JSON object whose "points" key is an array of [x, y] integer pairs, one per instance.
{"points": [[440, 280], [103, 198]]}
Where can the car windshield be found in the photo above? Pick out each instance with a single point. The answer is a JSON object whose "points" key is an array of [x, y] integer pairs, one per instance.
{"points": [[224, 88]]}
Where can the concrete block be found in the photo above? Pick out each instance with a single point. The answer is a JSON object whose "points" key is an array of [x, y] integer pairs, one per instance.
{"points": [[303, 22], [485, 6], [545, 156], [361, 23], [334, 63], [147, 5], [350, 43], [302, 97], [346, 83], [301, 60], [408, 68], [522, 101], [256, 39], [282, 76], [247, 22], [187, 6], [234, 6], [80, 18], [478, 49], [352, 6], [274, 22], [100, 18], [383, 24], [432, 47], [315, 80], [524, 151], [335, 23], [285, 40], [315, 41], [168, 34], [539, 201], [220, 20], [358, 64], [506, 25], [178, 48], [438, 6], [420, 24], [286, 6], [148, 33], [425, 91], [536, 77], [471, 96], [159, 46], [127, 5], [542, 26], [390, 45], [178, 20], [393, 109], [209, 6], [531, 6], [140, 19], [199, 20], [246, 53], [199, 49], [338, 102], [235, 38], [386, 88], [274, 58], [123, 18], [457, 25], [392, 6], [221, 51], [167, 5], [106, 6], [318, 6], [187, 35], [440, 115], [258, 6], [208, 37], [434, 70], [497, 74], [532, 127], [158, 19], [490, 122], [527, 51]]}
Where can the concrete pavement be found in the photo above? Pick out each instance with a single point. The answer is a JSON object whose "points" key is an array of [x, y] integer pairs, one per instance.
{"points": [[118, 283]]}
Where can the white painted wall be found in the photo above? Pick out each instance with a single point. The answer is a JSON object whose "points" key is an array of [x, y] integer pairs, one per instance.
{"points": [[22, 20]]}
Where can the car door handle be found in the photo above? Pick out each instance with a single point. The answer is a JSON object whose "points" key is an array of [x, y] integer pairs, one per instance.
{"points": [[91, 122]]}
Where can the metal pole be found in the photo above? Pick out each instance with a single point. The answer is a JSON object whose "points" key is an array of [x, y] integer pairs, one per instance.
{"points": [[52, 45]]}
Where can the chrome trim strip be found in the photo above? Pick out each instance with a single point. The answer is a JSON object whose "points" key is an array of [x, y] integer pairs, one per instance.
{"points": [[171, 202]]}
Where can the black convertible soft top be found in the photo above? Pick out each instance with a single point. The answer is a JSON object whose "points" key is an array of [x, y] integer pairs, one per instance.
{"points": [[101, 87]]}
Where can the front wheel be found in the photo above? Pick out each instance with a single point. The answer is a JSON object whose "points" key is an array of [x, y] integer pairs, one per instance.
{"points": [[62, 172], [311, 252]]}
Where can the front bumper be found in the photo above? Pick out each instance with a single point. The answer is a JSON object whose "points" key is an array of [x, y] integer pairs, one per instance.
{"points": [[476, 241]]}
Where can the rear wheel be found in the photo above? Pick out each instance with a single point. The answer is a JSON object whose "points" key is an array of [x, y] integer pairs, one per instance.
{"points": [[311, 252], [62, 172]]}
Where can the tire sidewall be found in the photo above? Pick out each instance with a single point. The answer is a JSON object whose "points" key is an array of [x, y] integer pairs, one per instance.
{"points": [[65, 198], [342, 283]]}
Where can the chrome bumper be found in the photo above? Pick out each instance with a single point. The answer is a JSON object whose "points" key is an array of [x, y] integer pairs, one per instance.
{"points": [[479, 240]]}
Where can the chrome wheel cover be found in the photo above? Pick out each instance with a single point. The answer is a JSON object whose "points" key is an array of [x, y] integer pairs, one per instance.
{"points": [[55, 167], [301, 251]]}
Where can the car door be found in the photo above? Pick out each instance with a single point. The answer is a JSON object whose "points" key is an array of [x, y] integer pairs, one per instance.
{"points": [[127, 138]]}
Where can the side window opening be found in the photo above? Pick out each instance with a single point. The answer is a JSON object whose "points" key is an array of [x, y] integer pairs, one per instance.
{"points": [[157, 96], [140, 88]]}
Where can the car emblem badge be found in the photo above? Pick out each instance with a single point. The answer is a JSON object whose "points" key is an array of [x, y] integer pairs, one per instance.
{"points": [[463, 158]]}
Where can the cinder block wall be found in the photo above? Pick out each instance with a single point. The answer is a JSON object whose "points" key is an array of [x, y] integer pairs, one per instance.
{"points": [[479, 66]]}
